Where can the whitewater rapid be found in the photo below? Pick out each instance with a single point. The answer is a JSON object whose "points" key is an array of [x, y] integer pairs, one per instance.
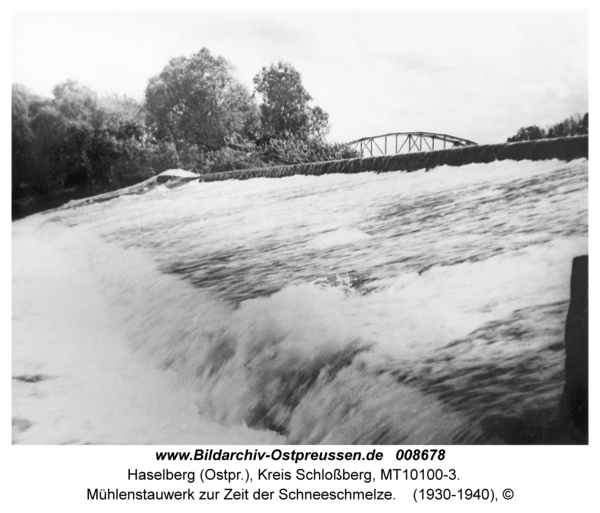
{"points": [[426, 307]]}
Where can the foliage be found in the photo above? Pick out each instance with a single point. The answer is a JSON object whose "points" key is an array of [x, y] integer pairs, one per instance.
{"points": [[574, 125], [22, 135], [298, 151], [530, 133], [77, 139], [284, 111], [229, 159], [196, 115], [198, 101]]}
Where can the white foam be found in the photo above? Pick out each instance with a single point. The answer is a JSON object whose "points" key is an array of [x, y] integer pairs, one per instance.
{"points": [[92, 388], [179, 172], [440, 256]]}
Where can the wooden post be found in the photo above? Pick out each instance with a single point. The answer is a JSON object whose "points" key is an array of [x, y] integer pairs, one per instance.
{"points": [[574, 404]]}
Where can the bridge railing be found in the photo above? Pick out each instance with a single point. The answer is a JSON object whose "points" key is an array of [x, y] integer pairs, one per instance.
{"points": [[406, 142]]}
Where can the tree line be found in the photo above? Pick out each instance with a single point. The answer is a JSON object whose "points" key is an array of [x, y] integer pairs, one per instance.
{"points": [[195, 115], [573, 125]]}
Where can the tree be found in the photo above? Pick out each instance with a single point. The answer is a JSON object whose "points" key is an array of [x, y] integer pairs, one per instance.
{"points": [[77, 139], [573, 125], [284, 110], [318, 122], [198, 101], [530, 133], [22, 136], [64, 129]]}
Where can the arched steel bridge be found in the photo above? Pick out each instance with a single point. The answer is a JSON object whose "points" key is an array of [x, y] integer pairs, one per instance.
{"points": [[407, 142]]}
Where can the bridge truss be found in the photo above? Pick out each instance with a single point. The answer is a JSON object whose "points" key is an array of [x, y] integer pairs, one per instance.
{"points": [[406, 142]]}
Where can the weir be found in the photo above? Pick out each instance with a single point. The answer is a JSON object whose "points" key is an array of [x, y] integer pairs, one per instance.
{"points": [[563, 148], [390, 309]]}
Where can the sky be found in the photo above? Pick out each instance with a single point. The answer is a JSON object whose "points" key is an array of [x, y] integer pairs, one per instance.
{"points": [[480, 75]]}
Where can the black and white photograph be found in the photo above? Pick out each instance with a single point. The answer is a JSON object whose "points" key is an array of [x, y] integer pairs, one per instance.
{"points": [[305, 227]]}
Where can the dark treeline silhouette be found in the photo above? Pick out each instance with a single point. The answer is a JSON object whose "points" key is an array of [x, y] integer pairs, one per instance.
{"points": [[574, 125], [195, 115]]}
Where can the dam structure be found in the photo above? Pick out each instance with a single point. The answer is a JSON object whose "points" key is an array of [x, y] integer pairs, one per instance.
{"points": [[563, 148]]}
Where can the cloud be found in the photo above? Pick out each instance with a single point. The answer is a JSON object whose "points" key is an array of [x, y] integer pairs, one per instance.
{"points": [[476, 74]]}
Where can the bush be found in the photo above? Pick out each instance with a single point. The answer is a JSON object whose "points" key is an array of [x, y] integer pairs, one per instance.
{"points": [[229, 159], [574, 125], [297, 151], [79, 140]]}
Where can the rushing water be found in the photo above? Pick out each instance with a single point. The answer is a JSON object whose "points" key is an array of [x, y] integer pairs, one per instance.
{"points": [[426, 307]]}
